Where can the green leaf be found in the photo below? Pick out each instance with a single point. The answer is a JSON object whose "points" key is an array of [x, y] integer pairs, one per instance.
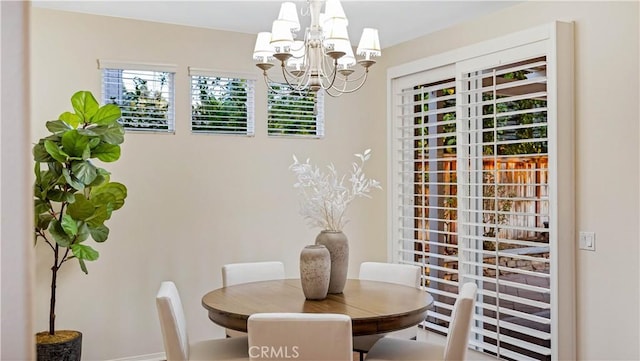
{"points": [[55, 151], [113, 134], [43, 220], [93, 142], [82, 208], [117, 190], [43, 184], [106, 152], [89, 131], [85, 105], [83, 232], [106, 115], [41, 206], [36, 171], [100, 233], [83, 266], [55, 168], [84, 171], [86, 154], [57, 126], [40, 153], [100, 179], [74, 143], [100, 215], [69, 225], [84, 252], [70, 118], [58, 195], [72, 180], [58, 233]]}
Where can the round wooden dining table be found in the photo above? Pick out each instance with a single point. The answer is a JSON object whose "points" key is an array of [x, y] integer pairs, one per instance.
{"points": [[374, 307]]}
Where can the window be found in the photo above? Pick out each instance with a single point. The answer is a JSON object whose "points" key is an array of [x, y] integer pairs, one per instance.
{"points": [[221, 104], [476, 191], [144, 93], [292, 113]]}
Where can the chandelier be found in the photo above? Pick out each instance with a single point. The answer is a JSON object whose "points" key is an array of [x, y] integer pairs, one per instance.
{"points": [[324, 59]]}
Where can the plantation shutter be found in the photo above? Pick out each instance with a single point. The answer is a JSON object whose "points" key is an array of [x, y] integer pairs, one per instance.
{"points": [[426, 190], [292, 113], [144, 92], [222, 104], [503, 205], [471, 187]]}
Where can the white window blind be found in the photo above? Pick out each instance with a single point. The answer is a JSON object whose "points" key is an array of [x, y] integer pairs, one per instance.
{"points": [[292, 113], [144, 92], [471, 191], [503, 211], [221, 104]]}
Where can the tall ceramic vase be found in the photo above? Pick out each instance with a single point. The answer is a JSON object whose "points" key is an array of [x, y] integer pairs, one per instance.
{"points": [[338, 246], [315, 270]]}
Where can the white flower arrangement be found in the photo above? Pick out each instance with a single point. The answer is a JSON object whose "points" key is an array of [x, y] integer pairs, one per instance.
{"points": [[325, 197]]}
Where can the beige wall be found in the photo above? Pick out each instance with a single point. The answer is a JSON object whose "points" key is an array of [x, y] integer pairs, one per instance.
{"points": [[16, 261], [607, 176], [195, 202]]}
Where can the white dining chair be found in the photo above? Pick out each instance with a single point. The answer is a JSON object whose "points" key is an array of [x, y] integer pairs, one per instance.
{"points": [[404, 274], [455, 348], [300, 337], [237, 273], [175, 338]]}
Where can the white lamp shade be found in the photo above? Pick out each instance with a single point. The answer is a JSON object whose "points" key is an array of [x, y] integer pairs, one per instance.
{"points": [[289, 13], [336, 32], [263, 49], [281, 36], [348, 59], [333, 10], [369, 43]]}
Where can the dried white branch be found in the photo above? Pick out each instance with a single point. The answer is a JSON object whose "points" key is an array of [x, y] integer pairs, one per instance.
{"points": [[324, 197]]}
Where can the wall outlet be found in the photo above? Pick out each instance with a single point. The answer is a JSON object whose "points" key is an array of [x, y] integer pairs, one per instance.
{"points": [[587, 241]]}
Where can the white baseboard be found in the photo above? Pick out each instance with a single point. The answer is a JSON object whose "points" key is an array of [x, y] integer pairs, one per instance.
{"points": [[160, 356]]}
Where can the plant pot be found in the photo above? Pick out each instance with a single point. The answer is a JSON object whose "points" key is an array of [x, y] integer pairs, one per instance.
{"points": [[64, 345], [338, 246], [315, 271]]}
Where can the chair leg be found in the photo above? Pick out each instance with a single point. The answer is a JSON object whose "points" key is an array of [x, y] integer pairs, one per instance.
{"points": [[361, 355]]}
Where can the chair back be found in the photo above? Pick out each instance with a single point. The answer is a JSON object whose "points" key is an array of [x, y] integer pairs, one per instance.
{"points": [[460, 324], [236, 273], [300, 337], [404, 274], [172, 322]]}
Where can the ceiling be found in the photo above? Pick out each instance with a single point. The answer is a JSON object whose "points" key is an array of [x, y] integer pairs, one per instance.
{"points": [[396, 21]]}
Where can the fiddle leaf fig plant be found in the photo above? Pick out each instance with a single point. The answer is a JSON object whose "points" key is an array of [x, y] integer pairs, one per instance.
{"points": [[73, 197]]}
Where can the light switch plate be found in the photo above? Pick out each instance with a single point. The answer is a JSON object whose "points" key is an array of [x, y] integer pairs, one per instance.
{"points": [[587, 241]]}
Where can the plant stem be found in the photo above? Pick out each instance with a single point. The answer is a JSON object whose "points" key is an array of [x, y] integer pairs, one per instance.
{"points": [[52, 305]]}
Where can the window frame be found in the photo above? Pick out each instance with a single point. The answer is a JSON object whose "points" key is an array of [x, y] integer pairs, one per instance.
{"points": [[319, 116], [556, 41], [251, 80], [141, 66]]}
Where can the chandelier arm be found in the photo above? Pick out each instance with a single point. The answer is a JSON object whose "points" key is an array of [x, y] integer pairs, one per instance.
{"points": [[336, 95], [299, 86], [344, 89], [327, 65], [268, 81], [292, 89], [333, 76]]}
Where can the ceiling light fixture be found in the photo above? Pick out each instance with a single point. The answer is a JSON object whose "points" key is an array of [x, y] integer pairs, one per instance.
{"points": [[324, 59]]}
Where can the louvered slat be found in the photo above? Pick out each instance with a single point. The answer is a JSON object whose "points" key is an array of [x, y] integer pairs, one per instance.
{"points": [[145, 97]]}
